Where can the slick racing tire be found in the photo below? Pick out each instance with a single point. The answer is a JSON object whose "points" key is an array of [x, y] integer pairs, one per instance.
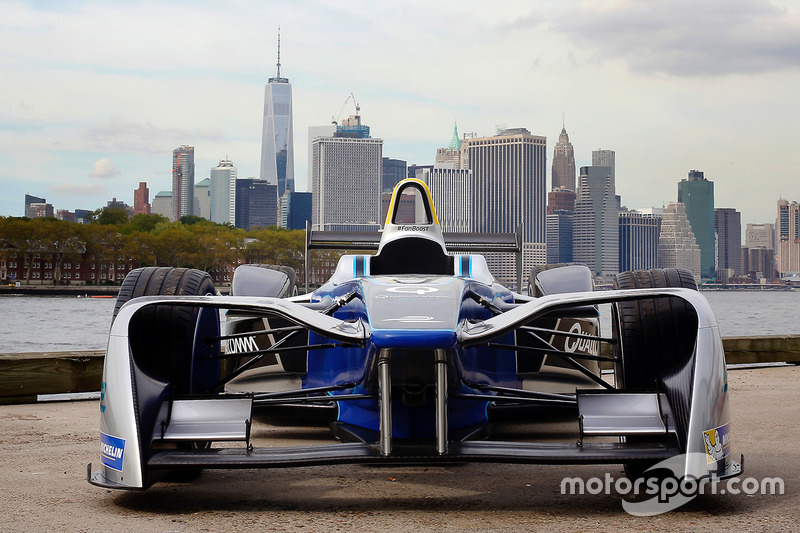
{"points": [[169, 331], [163, 336], [655, 338], [652, 334]]}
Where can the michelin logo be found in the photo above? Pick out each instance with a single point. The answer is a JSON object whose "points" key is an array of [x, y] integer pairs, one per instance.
{"points": [[718, 443], [112, 451]]}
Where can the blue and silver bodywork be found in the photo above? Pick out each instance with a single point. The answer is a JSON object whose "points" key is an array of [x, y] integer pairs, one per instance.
{"points": [[416, 351]]}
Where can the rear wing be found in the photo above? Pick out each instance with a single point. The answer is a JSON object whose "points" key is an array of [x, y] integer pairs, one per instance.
{"points": [[455, 242]]}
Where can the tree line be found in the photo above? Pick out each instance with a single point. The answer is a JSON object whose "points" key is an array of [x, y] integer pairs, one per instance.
{"points": [[150, 240]]}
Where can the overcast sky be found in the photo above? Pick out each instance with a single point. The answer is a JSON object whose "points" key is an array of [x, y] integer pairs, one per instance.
{"points": [[95, 95]]}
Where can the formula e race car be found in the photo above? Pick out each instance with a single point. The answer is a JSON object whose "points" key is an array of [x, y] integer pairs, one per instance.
{"points": [[411, 355]]}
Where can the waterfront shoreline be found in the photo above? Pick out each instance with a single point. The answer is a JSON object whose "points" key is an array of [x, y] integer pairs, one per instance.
{"points": [[60, 290]]}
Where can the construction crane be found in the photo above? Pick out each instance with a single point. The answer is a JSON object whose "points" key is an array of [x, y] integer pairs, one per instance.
{"points": [[339, 114]]}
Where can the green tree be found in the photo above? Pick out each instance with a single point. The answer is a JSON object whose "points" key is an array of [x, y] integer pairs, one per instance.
{"points": [[109, 216], [143, 223]]}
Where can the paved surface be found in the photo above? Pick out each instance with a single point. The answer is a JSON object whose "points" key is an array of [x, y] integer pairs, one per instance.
{"points": [[44, 449]]}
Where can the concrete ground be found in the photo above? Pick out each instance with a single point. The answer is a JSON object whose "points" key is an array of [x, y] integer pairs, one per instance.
{"points": [[44, 449]]}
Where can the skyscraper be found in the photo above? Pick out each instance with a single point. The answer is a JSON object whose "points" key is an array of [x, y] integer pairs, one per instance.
{"points": [[141, 199], [256, 203], [182, 181], [452, 195], [638, 240], [560, 228], [677, 247], [605, 158], [563, 173], [788, 237], [509, 184], [394, 170], [223, 193], [162, 204], [202, 199], [313, 132], [299, 211], [450, 157], [277, 147], [697, 194], [760, 236], [560, 199], [346, 179], [36, 207], [728, 227], [596, 231]]}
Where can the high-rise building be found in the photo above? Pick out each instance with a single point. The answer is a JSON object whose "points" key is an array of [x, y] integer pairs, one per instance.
{"points": [[202, 199], [697, 194], [141, 199], [277, 147], [313, 133], [677, 246], [223, 193], [760, 236], [638, 240], [451, 190], [787, 234], [414, 169], [596, 232], [29, 199], [563, 172], [560, 200], [394, 171], [36, 207], [728, 226], [450, 157], [299, 210], [759, 263], [162, 204], [605, 158], [346, 179], [560, 224], [509, 185], [283, 209], [182, 181], [256, 203]]}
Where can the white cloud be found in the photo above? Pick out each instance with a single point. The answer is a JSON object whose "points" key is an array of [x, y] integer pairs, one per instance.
{"points": [[686, 37], [103, 168], [120, 136]]}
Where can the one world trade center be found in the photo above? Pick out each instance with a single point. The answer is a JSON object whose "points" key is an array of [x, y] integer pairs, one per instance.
{"points": [[277, 151]]}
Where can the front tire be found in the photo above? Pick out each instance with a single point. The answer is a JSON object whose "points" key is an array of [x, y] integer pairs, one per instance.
{"points": [[162, 337], [655, 340]]}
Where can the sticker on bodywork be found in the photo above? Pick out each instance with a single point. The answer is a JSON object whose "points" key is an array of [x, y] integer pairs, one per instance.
{"points": [[112, 450], [717, 442]]}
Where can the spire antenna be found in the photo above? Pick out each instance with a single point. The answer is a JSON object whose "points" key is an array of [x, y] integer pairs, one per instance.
{"points": [[279, 52]]}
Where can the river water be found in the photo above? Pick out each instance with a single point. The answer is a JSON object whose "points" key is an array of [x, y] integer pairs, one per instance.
{"points": [[64, 323]]}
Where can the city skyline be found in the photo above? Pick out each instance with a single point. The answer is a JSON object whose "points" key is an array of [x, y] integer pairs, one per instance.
{"points": [[98, 103]]}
